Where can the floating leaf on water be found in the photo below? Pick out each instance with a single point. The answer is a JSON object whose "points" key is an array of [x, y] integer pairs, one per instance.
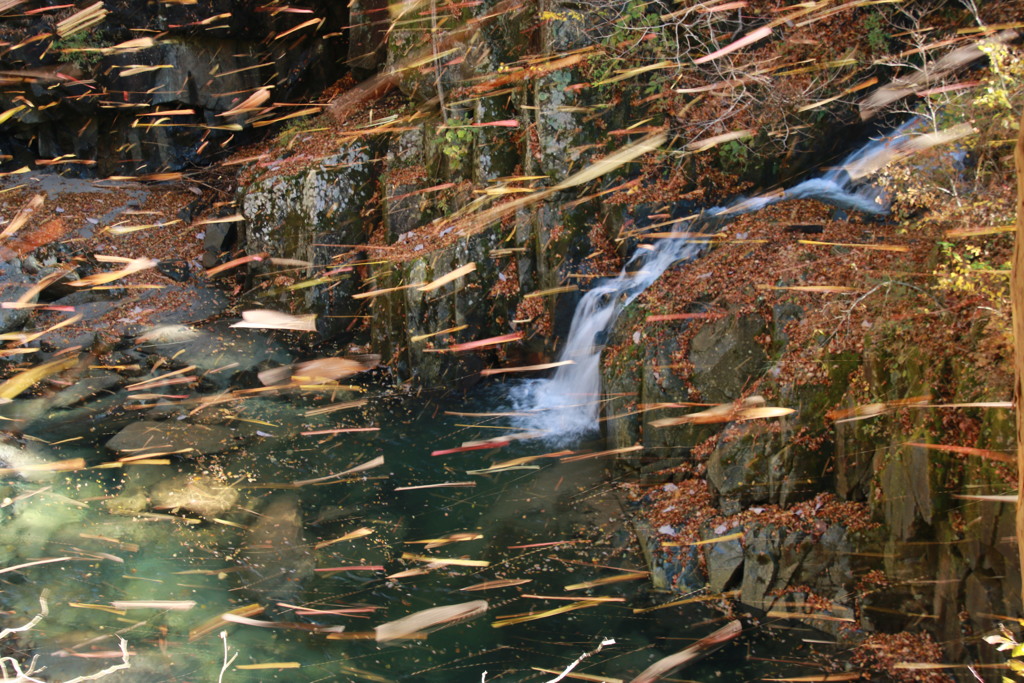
{"points": [[429, 620], [275, 320]]}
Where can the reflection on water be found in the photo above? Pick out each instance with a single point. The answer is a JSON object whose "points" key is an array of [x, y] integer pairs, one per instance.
{"points": [[234, 532]]}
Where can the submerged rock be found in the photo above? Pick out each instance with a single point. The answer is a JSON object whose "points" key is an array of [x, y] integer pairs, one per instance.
{"points": [[274, 556], [140, 438]]}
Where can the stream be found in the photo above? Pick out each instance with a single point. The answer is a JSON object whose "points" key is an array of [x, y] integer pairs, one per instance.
{"points": [[245, 533]]}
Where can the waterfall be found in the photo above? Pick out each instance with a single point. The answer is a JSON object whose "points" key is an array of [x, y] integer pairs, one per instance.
{"points": [[566, 406]]}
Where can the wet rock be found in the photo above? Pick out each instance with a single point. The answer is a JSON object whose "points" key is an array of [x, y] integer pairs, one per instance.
{"points": [[144, 437], [177, 269], [727, 356], [312, 216], [218, 350], [216, 238], [29, 457], [200, 494], [275, 557], [13, 282], [724, 561], [86, 388]]}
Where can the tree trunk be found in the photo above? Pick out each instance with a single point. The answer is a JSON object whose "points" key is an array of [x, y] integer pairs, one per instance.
{"points": [[1017, 298]]}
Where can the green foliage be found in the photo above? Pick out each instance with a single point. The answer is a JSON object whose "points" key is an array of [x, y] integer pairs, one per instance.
{"points": [[733, 156], [1003, 641], [296, 127], [635, 38], [78, 48], [458, 143], [877, 36]]}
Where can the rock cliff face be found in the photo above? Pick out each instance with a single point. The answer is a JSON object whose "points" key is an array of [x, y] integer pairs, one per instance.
{"points": [[846, 511], [94, 95]]}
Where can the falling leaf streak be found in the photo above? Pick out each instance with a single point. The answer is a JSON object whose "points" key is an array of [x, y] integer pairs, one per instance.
{"points": [[217, 622], [358, 533], [342, 430], [453, 561], [429, 620], [498, 583], [579, 676], [169, 605], [378, 292], [512, 619], [703, 647], [631, 576], [435, 486], [274, 320], [965, 450], [19, 567], [873, 247], [21, 218], [525, 368], [450, 277]]}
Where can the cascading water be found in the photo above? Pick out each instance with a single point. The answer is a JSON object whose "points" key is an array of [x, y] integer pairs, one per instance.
{"points": [[566, 406]]}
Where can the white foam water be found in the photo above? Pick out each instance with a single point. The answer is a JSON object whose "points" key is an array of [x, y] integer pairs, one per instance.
{"points": [[566, 406]]}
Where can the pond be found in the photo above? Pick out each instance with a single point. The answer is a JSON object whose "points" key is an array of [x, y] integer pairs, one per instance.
{"points": [[279, 557]]}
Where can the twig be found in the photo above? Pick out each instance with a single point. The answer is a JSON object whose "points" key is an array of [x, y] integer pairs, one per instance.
{"points": [[109, 670], [43, 611], [227, 662], [606, 641]]}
